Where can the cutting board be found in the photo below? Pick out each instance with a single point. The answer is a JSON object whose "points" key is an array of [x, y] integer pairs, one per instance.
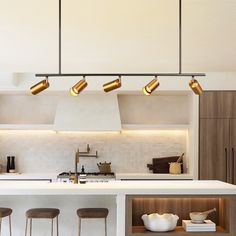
{"points": [[161, 165]]}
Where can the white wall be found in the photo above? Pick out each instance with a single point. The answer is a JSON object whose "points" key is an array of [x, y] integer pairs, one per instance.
{"points": [[111, 35]]}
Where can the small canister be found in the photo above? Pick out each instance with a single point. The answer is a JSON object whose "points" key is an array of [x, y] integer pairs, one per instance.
{"points": [[175, 168]]}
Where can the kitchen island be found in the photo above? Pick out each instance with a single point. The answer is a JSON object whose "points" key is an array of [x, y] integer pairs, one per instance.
{"points": [[126, 200]]}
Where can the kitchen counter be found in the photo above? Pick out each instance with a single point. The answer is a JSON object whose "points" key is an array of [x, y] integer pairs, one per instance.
{"points": [[119, 187], [22, 195], [119, 176]]}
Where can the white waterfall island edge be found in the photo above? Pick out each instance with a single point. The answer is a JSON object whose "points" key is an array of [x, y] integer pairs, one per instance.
{"points": [[184, 187]]}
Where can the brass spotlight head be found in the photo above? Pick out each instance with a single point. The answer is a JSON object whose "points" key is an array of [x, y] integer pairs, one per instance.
{"points": [[195, 86], [150, 87], [115, 84], [39, 87], [79, 87]]}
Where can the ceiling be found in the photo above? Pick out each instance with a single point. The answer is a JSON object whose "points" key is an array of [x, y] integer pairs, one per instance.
{"points": [[117, 35]]}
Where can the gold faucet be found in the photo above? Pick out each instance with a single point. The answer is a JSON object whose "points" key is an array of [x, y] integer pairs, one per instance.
{"points": [[76, 178], [79, 154]]}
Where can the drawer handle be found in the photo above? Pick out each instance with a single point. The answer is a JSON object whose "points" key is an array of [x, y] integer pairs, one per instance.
{"points": [[226, 164], [232, 176]]}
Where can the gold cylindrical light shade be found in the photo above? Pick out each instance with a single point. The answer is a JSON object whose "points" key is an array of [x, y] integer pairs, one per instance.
{"points": [[150, 87], [195, 86], [115, 84], [39, 87], [79, 87]]}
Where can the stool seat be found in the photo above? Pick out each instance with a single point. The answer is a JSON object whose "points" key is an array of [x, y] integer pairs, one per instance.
{"points": [[5, 212], [43, 213], [84, 213], [92, 212]]}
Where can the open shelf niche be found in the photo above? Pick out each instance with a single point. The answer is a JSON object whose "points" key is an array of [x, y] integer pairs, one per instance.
{"points": [[224, 217], [24, 112], [159, 111]]}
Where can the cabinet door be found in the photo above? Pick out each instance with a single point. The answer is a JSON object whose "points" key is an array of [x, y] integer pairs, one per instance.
{"points": [[214, 149], [233, 105], [217, 104], [233, 150]]}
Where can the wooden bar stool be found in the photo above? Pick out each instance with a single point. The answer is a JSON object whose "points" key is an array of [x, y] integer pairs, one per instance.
{"points": [[42, 213], [92, 213], [4, 212]]}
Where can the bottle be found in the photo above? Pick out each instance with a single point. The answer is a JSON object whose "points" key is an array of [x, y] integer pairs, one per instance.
{"points": [[82, 176], [12, 165], [8, 164]]}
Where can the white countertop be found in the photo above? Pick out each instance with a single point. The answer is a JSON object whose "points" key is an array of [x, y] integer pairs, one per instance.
{"points": [[28, 176], [119, 176], [141, 176], [119, 187]]}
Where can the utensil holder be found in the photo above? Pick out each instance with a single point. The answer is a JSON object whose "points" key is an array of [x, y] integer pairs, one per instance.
{"points": [[175, 168]]}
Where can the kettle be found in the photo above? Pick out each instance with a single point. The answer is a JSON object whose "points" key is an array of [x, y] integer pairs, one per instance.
{"points": [[104, 167]]}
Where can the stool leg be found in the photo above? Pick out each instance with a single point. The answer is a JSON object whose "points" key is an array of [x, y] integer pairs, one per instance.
{"points": [[26, 226], [52, 228], [79, 229], [57, 227], [10, 225], [0, 226], [105, 226], [30, 226]]}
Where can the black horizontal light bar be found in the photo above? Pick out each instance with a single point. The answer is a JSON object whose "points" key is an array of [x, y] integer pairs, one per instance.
{"points": [[122, 74]]}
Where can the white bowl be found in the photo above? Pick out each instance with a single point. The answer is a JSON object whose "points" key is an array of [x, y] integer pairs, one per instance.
{"points": [[160, 223], [197, 217]]}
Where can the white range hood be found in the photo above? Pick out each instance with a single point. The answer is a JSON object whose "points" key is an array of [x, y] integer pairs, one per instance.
{"points": [[88, 113]]}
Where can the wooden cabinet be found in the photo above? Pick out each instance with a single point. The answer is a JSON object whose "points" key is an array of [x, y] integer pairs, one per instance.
{"points": [[218, 104], [217, 142], [232, 162], [214, 145]]}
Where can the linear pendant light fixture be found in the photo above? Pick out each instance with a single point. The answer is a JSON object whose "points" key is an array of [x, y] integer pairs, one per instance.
{"points": [[147, 90]]}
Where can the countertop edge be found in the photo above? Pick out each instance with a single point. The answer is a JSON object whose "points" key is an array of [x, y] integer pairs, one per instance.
{"points": [[151, 176], [120, 187]]}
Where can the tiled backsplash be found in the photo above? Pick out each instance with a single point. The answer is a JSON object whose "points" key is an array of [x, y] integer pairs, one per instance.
{"points": [[130, 151]]}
